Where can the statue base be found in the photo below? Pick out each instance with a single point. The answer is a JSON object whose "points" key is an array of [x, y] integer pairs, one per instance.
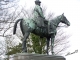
{"points": [[26, 56]]}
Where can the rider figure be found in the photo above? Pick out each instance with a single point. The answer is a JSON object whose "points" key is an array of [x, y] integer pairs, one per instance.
{"points": [[38, 15]]}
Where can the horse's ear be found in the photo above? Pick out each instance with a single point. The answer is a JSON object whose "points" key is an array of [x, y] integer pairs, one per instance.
{"points": [[63, 14]]}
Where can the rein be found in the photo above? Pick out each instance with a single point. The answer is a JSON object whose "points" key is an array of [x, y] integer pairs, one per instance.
{"points": [[56, 25]]}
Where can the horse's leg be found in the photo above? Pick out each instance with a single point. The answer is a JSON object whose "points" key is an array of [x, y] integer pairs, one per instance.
{"points": [[24, 48], [21, 27], [48, 39], [52, 43]]}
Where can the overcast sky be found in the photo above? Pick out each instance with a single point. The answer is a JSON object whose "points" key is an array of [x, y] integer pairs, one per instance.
{"points": [[71, 9]]}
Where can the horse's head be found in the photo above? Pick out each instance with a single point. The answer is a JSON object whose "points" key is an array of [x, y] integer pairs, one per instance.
{"points": [[64, 20]]}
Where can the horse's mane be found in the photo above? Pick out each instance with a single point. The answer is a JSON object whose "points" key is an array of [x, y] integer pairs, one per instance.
{"points": [[55, 18]]}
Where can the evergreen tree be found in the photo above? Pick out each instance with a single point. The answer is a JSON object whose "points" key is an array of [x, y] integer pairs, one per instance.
{"points": [[38, 44], [15, 49]]}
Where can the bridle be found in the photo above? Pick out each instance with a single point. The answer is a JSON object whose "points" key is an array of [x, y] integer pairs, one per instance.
{"points": [[58, 26]]}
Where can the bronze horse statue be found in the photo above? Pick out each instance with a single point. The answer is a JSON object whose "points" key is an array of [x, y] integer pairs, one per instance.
{"points": [[29, 26]]}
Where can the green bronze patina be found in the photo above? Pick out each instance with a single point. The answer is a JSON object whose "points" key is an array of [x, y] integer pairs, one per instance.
{"points": [[29, 26], [38, 15], [40, 26]]}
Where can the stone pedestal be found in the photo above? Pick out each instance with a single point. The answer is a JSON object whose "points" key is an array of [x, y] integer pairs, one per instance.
{"points": [[26, 56]]}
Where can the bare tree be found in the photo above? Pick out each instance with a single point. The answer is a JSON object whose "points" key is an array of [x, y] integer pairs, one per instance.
{"points": [[61, 43], [8, 14]]}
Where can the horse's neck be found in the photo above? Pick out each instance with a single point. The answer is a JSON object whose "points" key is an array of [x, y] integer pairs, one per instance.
{"points": [[56, 21]]}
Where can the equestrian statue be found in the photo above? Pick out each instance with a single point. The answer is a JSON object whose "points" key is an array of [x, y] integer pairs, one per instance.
{"points": [[38, 25]]}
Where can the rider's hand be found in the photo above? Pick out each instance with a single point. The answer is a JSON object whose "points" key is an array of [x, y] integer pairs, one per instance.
{"points": [[43, 17]]}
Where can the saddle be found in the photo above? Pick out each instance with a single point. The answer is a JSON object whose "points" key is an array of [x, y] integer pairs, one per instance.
{"points": [[43, 24]]}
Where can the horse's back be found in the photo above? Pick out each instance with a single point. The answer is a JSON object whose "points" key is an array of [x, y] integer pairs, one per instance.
{"points": [[29, 22]]}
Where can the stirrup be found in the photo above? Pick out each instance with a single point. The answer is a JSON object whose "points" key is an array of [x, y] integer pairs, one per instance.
{"points": [[50, 32]]}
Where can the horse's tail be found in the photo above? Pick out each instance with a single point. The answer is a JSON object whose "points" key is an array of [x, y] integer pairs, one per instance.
{"points": [[15, 25]]}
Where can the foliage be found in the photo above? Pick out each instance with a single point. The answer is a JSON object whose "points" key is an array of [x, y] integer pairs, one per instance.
{"points": [[34, 44], [38, 44], [15, 49]]}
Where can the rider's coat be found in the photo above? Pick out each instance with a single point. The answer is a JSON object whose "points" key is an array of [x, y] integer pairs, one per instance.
{"points": [[38, 16]]}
